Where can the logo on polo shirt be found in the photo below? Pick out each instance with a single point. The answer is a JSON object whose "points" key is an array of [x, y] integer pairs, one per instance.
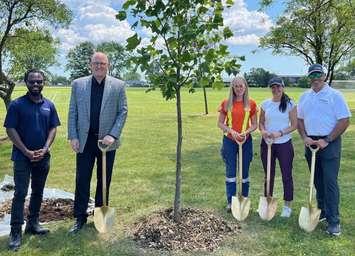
{"points": [[46, 109]]}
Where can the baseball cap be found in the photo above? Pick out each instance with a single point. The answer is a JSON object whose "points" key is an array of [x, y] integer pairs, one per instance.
{"points": [[276, 80], [315, 68]]}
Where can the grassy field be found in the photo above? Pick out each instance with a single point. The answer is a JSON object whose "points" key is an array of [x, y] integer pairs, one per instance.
{"points": [[144, 177]]}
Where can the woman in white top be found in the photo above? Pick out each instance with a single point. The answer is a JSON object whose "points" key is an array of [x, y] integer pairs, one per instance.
{"points": [[278, 118]]}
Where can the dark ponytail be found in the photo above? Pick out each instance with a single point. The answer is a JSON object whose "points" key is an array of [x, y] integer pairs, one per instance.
{"points": [[284, 101]]}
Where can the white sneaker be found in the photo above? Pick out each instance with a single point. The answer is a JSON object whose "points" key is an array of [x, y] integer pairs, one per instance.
{"points": [[286, 212]]}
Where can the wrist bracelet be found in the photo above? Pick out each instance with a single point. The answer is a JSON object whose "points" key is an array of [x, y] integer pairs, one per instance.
{"points": [[282, 134]]}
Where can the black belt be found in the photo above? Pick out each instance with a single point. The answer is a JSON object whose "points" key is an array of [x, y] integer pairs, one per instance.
{"points": [[317, 137]]}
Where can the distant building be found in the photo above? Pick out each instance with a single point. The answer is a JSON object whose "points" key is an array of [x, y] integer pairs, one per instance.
{"points": [[136, 83], [291, 79]]}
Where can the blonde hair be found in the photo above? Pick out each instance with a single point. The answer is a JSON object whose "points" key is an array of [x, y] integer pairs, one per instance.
{"points": [[232, 96]]}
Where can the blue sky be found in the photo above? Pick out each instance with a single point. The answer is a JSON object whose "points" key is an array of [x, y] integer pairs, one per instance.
{"points": [[94, 20]]}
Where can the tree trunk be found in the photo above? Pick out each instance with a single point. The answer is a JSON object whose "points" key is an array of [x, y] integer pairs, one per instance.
{"points": [[177, 201], [6, 90], [205, 98]]}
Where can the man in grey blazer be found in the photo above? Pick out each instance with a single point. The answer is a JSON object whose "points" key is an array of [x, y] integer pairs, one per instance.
{"points": [[97, 110]]}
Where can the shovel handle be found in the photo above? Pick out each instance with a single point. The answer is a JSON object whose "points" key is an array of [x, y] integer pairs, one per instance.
{"points": [[240, 165], [313, 166], [268, 166], [103, 148]]}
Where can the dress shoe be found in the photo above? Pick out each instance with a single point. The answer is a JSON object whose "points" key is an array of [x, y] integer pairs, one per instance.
{"points": [[78, 225], [33, 227], [15, 238]]}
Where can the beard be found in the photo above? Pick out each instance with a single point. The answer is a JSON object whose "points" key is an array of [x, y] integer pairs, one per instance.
{"points": [[35, 93]]}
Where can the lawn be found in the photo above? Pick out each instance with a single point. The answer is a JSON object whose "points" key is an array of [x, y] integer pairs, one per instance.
{"points": [[144, 181]]}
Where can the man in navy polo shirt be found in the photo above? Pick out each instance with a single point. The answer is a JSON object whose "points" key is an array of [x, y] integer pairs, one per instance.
{"points": [[323, 116], [30, 123]]}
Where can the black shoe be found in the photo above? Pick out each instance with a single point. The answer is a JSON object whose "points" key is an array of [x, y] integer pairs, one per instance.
{"points": [[322, 216], [79, 224], [15, 238], [33, 227]]}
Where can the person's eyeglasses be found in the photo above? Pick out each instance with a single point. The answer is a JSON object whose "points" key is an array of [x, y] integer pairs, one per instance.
{"points": [[32, 82], [315, 75], [99, 63]]}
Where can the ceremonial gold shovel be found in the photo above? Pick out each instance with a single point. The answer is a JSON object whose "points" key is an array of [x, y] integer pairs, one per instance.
{"points": [[104, 216], [267, 205], [309, 217], [240, 205]]}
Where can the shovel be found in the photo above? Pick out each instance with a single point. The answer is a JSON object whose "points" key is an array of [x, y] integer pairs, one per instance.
{"points": [[240, 205], [309, 217], [104, 216], [267, 205]]}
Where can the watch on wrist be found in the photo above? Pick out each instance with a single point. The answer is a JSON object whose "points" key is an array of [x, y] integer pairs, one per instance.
{"points": [[328, 139]]}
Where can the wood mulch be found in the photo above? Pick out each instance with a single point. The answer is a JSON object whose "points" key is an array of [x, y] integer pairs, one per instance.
{"points": [[198, 230]]}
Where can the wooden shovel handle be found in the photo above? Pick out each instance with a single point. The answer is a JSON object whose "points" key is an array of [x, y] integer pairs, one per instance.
{"points": [[268, 166], [313, 166], [240, 165], [103, 148]]}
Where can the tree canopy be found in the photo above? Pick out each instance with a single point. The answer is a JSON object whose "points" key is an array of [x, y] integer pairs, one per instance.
{"points": [[319, 31], [78, 59], [29, 15]]}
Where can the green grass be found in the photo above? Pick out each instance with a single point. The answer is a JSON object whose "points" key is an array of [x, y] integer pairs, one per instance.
{"points": [[144, 178]]}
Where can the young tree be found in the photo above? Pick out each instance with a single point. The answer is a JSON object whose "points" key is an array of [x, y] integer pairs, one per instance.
{"points": [[320, 31], [78, 59], [25, 13], [179, 28]]}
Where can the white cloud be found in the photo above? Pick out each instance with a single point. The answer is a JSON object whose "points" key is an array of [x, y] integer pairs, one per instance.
{"points": [[247, 26], [250, 39], [93, 21]]}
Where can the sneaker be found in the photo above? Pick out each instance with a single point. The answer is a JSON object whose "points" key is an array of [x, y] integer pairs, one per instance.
{"points": [[333, 229], [286, 212], [228, 207]]}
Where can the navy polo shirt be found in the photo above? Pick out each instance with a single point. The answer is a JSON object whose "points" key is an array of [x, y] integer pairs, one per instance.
{"points": [[32, 121]]}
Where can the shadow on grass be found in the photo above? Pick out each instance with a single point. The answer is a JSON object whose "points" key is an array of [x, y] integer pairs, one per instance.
{"points": [[87, 242]]}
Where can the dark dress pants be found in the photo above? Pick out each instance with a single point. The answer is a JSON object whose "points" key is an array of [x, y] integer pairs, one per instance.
{"points": [[326, 179], [84, 166]]}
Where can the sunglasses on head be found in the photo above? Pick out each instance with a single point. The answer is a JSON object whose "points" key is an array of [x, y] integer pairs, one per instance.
{"points": [[32, 82], [315, 75]]}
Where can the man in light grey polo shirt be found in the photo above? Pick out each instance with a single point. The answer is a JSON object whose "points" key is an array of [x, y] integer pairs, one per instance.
{"points": [[323, 116]]}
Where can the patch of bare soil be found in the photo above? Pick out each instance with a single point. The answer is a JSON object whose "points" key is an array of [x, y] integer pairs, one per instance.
{"points": [[198, 230], [51, 209]]}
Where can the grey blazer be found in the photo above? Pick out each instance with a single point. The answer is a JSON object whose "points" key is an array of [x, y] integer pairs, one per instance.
{"points": [[113, 112]]}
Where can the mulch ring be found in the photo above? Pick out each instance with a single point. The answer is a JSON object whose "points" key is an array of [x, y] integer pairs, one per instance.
{"points": [[51, 209], [198, 230]]}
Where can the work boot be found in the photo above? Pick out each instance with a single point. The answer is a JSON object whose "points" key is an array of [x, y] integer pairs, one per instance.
{"points": [[15, 238], [33, 228], [79, 224]]}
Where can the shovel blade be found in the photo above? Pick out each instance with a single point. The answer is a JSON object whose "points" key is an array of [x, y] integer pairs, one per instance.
{"points": [[267, 207], [104, 218], [240, 207], [309, 218]]}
